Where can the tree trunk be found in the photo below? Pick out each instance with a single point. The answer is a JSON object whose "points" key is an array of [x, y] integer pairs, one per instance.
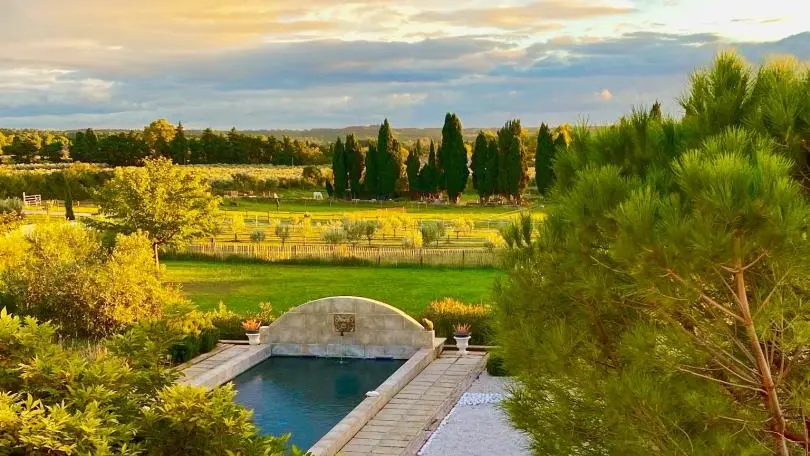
{"points": [[157, 258], [777, 418]]}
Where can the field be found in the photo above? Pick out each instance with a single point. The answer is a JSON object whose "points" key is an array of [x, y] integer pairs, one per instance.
{"points": [[242, 286]]}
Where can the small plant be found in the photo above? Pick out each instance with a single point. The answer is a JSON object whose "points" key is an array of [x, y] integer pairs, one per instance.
{"points": [[461, 330], [283, 232], [427, 324], [251, 326]]}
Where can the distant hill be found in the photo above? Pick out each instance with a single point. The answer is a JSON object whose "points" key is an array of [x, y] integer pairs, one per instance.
{"points": [[364, 132]]}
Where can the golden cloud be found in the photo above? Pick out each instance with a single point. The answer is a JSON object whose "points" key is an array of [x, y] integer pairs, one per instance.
{"points": [[544, 13]]}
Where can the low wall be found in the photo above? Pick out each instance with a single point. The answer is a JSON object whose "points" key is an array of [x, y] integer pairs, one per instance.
{"points": [[371, 329]]}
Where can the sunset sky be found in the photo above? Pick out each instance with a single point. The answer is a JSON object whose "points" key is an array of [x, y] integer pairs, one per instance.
{"points": [[322, 63]]}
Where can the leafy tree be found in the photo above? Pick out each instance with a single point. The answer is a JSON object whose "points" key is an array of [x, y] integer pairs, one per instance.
{"points": [[432, 232], [24, 147], [167, 202], [544, 159], [158, 135], [339, 169], [283, 232], [93, 150], [57, 151], [369, 229], [453, 158], [354, 165], [179, 145], [412, 169], [512, 163]]}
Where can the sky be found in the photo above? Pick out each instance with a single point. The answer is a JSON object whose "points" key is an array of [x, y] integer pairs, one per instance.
{"points": [[268, 64]]}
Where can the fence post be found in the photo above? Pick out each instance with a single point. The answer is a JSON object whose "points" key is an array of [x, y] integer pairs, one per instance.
{"points": [[462, 258]]}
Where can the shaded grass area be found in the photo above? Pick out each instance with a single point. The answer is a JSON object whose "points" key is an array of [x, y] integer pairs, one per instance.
{"points": [[286, 207], [242, 286]]}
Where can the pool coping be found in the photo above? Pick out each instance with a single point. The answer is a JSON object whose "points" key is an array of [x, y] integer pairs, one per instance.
{"points": [[230, 369], [351, 424]]}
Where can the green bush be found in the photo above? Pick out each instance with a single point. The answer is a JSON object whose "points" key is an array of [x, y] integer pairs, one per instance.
{"points": [[447, 312], [495, 366], [257, 236]]}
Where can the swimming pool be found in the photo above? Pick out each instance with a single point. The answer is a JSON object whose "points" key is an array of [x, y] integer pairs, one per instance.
{"points": [[308, 396]]}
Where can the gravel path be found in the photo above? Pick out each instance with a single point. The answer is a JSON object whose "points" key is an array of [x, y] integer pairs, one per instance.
{"points": [[477, 426]]}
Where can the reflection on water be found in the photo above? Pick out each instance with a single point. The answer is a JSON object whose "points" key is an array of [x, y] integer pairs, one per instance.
{"points": [[308, 396]]}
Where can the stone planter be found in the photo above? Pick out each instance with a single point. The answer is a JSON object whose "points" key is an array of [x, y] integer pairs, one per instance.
{"points": [[462, 342], [253, 338]]}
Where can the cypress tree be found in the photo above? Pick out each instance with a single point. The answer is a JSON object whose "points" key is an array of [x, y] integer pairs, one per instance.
{"points": [[354, 166], [544, 159], [78, 148], [412, 169], [453, 158], [490, 180], [389, 161], [179, 145], [339, 169], [372, 170], [512, 166], [93, 152], [480, 161], [428, 176]]}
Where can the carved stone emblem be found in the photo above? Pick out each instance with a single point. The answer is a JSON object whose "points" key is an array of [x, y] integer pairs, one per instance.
{"points": [[344, 323]]}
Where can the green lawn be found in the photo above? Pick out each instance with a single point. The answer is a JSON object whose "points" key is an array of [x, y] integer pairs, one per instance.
{"points": [[243, 286]]}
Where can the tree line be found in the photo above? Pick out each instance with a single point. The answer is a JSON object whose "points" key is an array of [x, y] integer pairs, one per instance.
{"points": [[160, 139], [498, 163]]}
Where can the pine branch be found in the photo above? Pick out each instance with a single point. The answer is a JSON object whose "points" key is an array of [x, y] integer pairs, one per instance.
{"points": [[735, 385], [706, 298]]}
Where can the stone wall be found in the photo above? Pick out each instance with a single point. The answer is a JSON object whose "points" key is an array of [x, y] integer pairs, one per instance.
{"points": [[372, 330]]}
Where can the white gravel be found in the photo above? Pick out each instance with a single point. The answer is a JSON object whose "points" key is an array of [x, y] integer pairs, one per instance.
{"points": [[477, 426]]}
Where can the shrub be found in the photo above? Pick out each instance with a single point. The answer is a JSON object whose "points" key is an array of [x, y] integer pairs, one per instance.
{"points": [[495, 365], [123, 400], [228, 323], [446, 313], [67, 276], [265, 314]]}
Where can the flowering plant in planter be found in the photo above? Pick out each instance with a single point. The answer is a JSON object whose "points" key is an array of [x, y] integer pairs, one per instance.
{"points": [[251, 326], [461, 332]]}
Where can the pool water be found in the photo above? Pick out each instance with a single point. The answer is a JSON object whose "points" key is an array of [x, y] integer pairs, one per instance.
{"points": [[308, 396]]}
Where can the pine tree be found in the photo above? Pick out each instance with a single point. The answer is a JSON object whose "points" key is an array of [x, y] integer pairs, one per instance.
{"points": [[544, 160], [179, 145], [490, 180], [655, 111], [412, 169], [354, 166], [512, 164], [339, 169], [453, 158]]}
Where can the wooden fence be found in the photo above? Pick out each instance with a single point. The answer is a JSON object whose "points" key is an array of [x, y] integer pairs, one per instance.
{"points": [[463, 258]]}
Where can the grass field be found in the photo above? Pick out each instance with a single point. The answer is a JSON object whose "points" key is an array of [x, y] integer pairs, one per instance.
{"points": [[242, 286]]}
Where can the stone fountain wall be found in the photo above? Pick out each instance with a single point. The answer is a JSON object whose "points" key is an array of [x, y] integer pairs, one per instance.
{"points": [[371, 329]]}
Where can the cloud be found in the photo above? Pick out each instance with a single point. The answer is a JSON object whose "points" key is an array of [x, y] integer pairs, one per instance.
{"points": [[542, 15], [605, 95]]}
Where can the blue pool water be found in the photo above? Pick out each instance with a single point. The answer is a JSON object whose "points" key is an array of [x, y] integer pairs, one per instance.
{"points": [[308, 396]]}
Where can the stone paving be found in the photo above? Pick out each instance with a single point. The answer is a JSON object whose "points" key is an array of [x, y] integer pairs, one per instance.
{"points": [[406, 422], [203, 365]]}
